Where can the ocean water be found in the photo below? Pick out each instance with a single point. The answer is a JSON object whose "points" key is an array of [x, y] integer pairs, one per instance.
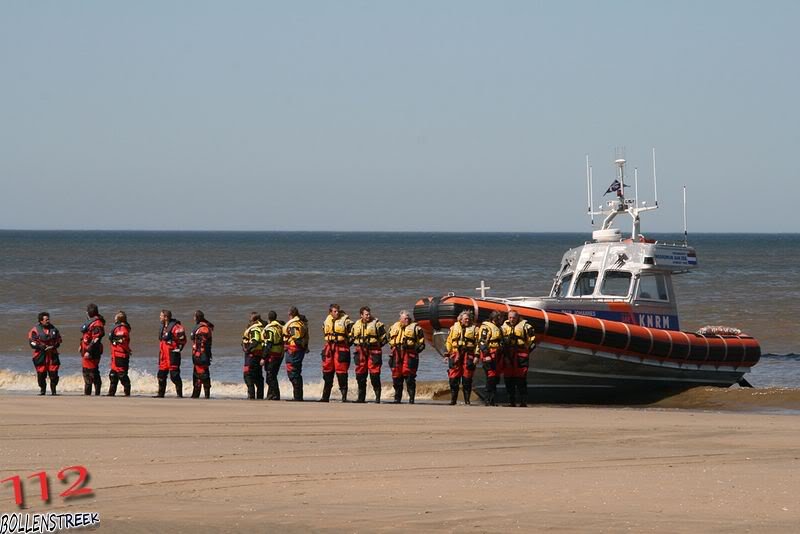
{"points": [[745, 280]]}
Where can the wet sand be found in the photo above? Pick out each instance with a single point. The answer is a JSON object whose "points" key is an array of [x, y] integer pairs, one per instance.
{"points": [[224, 466]]}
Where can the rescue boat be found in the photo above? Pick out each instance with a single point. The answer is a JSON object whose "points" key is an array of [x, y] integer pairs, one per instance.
{"points": [[609, 329]]}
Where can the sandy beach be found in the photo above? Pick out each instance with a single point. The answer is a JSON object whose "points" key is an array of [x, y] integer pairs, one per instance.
{"points": [[224, 466]]}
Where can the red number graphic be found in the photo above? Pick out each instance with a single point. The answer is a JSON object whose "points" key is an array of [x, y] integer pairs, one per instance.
{"points": [[44, 484], [18, 497], [76, 489]]}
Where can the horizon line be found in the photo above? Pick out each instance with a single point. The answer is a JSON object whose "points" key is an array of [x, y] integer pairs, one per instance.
{"points": [[164, 231]]}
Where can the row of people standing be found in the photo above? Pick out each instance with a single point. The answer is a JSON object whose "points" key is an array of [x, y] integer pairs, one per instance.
{"points": [[45, 340], [346, 342], [265, 346], [503, 348]]}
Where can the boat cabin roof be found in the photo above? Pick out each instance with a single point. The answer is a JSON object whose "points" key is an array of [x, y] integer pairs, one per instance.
{"points": [[607, 270]]}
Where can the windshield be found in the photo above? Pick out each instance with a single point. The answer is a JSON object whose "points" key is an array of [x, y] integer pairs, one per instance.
{"points": [[585, 285], [562, 287], [653, 287], [616, 283]]}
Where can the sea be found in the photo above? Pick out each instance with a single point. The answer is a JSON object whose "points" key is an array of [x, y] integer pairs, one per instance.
{"points": [[749, 281]]}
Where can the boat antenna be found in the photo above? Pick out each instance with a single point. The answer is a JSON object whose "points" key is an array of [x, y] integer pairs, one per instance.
{"points": [[620, 163], [589, 189], [655, 182], [685, 231], [636, 186]]}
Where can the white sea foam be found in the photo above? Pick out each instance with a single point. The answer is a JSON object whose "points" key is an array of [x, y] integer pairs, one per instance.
{"points": [[144, 383]]}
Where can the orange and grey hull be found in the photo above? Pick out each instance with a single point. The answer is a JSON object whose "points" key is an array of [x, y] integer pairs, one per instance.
{"points": [[579, 357]]}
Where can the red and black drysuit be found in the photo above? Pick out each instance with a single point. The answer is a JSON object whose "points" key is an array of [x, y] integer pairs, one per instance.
{"points": [[519, 341], [172, 339], [201, 358], [336, 354], [461, 345], [369, 339], [45, 340], [407, 344], [120, 339], [91, 348]]}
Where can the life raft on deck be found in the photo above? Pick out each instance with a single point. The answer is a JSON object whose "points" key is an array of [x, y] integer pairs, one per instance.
{"points": [[601, 336]]}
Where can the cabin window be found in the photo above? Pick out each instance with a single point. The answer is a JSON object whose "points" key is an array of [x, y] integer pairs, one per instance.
{"points": [[585, 285], [616, 284], [563, 286], [653, 287]]}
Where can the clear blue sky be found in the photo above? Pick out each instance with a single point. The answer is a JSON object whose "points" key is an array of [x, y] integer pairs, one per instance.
{"points": [[405, 115]]}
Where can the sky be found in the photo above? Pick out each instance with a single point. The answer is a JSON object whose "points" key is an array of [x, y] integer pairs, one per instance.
{"points": [[403, 116]]}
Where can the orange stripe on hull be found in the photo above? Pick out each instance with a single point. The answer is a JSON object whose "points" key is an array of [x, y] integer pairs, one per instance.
{"points": [[603, 335]]}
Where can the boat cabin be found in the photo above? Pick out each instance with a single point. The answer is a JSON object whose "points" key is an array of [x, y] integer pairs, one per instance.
{"points": [[617, 278]]}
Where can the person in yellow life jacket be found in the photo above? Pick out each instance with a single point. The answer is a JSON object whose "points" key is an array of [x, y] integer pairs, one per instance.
{"points": [[461, 358], [253, 347], [336, 352], [273, 355], [407, 341], [519, 337], [490, 350], [369, 336], [295, 344]]}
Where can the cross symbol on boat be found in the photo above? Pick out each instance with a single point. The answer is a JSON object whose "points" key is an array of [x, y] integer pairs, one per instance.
{"points": [[483, 289]]}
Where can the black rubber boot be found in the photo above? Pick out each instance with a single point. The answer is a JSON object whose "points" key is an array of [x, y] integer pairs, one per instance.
{"points": [[175, 376], [453, 391], [491, 386], [511, 390], [178, 388], [411, 386], [251, 388], [522, 390], [327, 386], [397, 383], [259, 387], [361, 380], [53, 382], [297, 389], [197, 385], [88, 379], [41, 379], [341, 378], [112, 385], [375, 380], [126, 384], [97, 381], [207, 388], [467, 385], [162, 388], [273, 388]]}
